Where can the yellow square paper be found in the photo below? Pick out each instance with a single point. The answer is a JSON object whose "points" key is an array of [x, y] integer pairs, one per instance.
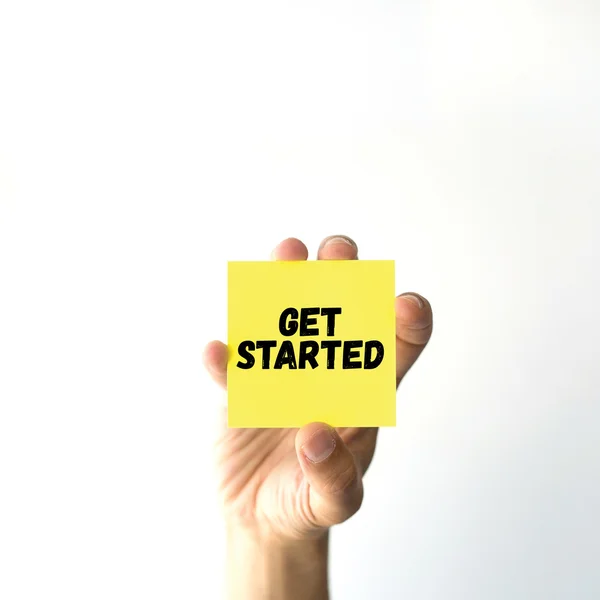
{"points": [[311, 341]]}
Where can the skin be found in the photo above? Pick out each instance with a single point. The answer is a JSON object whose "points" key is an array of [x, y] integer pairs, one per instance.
{"points": [[278, 503]]}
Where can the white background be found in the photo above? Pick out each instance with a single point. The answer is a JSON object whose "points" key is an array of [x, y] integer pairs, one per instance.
{"points": [[144, 144]]}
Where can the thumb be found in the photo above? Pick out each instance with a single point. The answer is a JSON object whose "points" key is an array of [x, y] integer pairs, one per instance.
{"points": [[336, 490]]}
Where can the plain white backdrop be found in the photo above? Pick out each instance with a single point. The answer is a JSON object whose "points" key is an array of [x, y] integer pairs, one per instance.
{"points": [[144, 144]]}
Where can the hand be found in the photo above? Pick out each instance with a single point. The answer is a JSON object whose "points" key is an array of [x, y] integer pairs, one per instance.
{"points": [[293, 484]]}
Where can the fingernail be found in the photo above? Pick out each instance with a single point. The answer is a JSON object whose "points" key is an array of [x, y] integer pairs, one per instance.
{"points": [[338, 239], [319, 447], [414, 299]]}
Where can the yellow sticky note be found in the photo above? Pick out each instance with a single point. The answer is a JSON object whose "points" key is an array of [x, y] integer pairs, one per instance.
{"points": [[311, 341]]}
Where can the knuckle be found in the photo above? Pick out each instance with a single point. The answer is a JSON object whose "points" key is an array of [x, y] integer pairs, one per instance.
{"points": [[343, 480], [417, 336]]}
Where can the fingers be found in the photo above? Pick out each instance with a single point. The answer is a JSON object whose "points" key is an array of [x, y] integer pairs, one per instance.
{"points": [[336, 490], [414, 323], [414, 319], [214, 358], [290, 249], [337, 247]]}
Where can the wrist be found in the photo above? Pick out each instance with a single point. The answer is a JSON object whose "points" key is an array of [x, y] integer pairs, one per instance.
{"points": [[269, 567]]}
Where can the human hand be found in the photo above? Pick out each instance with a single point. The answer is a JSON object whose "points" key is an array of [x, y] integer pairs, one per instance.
{"points": [[293, 484]]}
